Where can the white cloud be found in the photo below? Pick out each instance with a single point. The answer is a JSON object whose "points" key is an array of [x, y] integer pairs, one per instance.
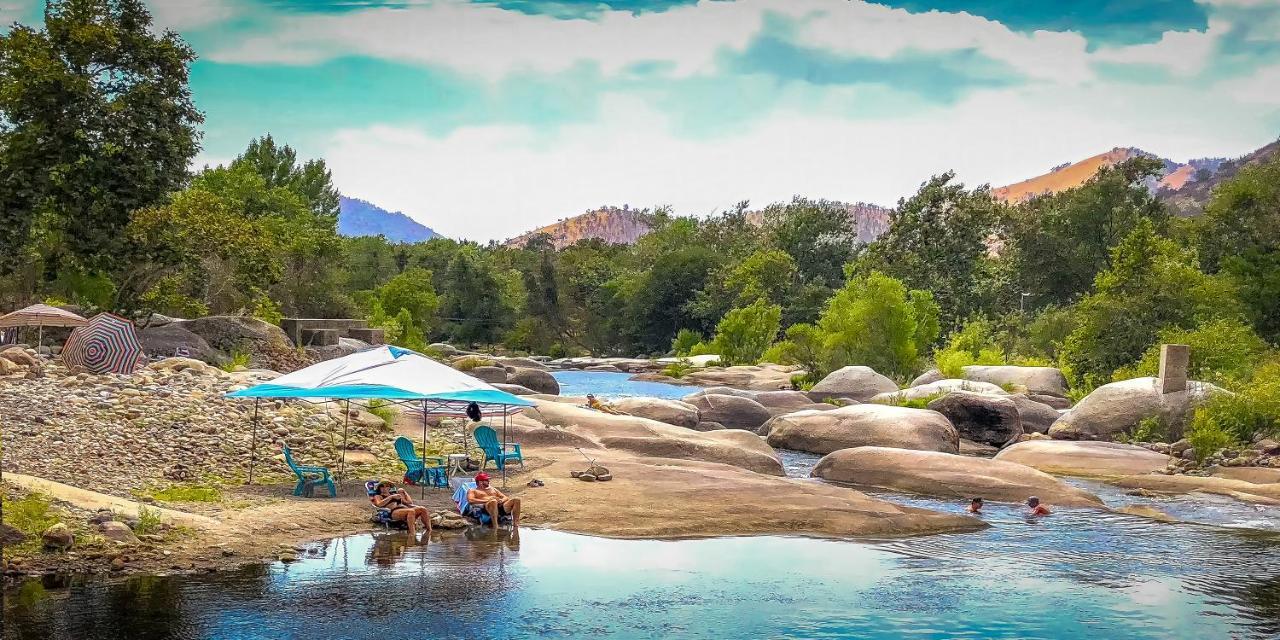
{"points": [[1184, 53], [1262, 88], [498, 181], [182, 15]]}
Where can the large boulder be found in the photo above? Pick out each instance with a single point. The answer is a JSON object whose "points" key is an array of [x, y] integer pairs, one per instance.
{"points": [[947, 475], [19, 356], [267, 345], [982, 418], [937, 388], [490, 374], [1036, 417], [58, 537], [1046, 380], [1084, 458], [680, 414], [520, 363], [857, 382], [513, 389], [1118, 407], [863, 425], [650, 438], [117, 532], [536, 379], [932, 375], [719, 391], [166, 340], [731, 411], [9, 367], [783, 399], [345, 347], [769, 377]]}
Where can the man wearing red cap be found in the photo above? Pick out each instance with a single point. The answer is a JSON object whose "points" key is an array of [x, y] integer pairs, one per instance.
{"points": [[487, 499]]}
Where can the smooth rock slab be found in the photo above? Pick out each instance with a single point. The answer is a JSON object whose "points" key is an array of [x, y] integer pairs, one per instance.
{"points": [[1084, 458], [857, 382], [1118, 407], [1046, 380], [733, 412], [863, 425], [680, 414], [947, 475]]}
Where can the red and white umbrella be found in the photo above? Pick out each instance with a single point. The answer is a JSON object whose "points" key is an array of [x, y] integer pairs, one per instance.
{"points": [[107, 344]]}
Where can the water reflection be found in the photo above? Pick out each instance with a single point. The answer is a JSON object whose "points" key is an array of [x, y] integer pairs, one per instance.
{"points": [[1076, 574]]}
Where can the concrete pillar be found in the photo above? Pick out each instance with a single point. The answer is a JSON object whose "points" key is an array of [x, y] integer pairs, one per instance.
{"points": [[1174, 359]]}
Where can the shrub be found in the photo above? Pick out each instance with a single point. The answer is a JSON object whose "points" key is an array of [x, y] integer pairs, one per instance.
{"points": [[29, 514], [975, 343], [1150, 429], [684, 342], [802, 346], [875, 321], [239, 360], [678, 368], [744, 333], [1223, 351], [471, 362], [803, 381], [148, 520], [1207, 436], [1254, 410], [384, 410]]}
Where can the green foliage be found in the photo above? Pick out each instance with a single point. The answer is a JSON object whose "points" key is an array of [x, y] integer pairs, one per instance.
{"points": [[410, 336], [803, 382], [1151, 286], [1223, 351], [901, 400], [1149, 429], [804, 346], [267, 310], [239, 360], [973, 344], [874, 321], [471, 362], [1237, 238], [97, 122], [1059, 243], [148, 520], [744, 333], [30, 514], [937, 242], [411, 291], [1254, 409], [385, 410], [678, 368], [818, 235], [188, 493], [684, 342], [479, 305]]}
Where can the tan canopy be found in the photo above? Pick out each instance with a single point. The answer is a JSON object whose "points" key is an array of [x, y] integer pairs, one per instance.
{"points": [[41, 315]]}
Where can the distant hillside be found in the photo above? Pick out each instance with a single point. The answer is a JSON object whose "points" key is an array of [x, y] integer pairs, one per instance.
{"points": [[625, 225], [362, 218], [1189, 199], [611, 224], [1074, 174]]}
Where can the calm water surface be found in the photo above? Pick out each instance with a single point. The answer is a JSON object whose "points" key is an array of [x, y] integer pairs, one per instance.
{"points": [[616, 385]]}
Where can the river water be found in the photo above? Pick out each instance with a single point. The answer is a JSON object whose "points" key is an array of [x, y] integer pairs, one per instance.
{"points": [[611, 386], [1080, 573]]}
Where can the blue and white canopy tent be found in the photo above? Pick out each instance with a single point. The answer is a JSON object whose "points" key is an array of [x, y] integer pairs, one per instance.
{"points": [[392, 374]]}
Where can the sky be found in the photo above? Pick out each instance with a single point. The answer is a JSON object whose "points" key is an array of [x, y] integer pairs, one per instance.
{"points": [[485, 118]]}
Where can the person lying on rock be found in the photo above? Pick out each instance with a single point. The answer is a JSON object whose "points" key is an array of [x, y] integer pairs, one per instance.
{"points": [[486, 499], [594, 403], [1036, 509], [402, 507], [975, 505]]}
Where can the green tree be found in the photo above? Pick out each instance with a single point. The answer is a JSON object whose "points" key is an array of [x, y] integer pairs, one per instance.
{"points": [[96, 121], [1237, 237], [744, 333], [937, 240], [1152, 285], [475, 308], [875, 321], [1058, 243], [411, 291], [818, 234], [1224, 351], [803, 346], [659, 297]]}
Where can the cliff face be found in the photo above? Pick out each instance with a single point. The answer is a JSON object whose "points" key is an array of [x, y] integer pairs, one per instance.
{"points": [[870, 220], [611, 224]]}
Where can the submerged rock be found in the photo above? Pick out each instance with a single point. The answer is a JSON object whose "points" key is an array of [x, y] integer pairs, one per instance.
{"points": [[863, 425]]}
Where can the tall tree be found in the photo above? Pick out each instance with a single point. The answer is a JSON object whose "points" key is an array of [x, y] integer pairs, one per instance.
{"points": [[938, 241], [96, 121], [818, 234]]}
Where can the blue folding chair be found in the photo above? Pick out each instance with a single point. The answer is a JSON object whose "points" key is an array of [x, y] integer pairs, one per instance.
{"points": [[416, 469], [460, 499], [302, 471], [487, 439]]}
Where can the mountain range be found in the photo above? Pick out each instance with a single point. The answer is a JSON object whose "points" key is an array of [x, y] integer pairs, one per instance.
{"points": [[363, 218]]}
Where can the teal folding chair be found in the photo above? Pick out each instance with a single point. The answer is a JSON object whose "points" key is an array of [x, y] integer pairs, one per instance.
{"points": [[303, 471], [487, 439], [416, 469]]}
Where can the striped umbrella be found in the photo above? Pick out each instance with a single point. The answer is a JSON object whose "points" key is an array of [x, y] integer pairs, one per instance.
{"points": [[108, 344]]}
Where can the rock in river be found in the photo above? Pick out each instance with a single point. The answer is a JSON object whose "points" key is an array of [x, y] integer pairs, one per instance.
{"points": [[857, 382], [680, 414], [1084, 458], [864, 425], [733, 412], [1118, 407], [981, 417]]}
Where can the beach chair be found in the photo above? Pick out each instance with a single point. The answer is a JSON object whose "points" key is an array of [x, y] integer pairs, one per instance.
{"points": [[302, 471], [487, 439], [460, 499], [381, 515], [416, 469]]}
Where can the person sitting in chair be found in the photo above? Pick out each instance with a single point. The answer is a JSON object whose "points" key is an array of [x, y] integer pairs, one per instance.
{"points": [[487, 499], [402, 507]]}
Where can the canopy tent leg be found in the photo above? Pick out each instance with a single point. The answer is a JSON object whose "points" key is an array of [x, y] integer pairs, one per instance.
{"points": [[504, 446], [423, 494], [253, 451], [346, 422]]}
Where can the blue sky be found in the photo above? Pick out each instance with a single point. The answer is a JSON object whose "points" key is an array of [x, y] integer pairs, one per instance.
{"points": [[485, 118]]}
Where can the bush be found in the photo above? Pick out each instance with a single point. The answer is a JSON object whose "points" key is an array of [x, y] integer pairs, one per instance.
{"points": [[239, 360], [875, 321], [148, 520], [1223, 351], [684, 342], [900, 400], [678, 368], [30, 514], [1253, 411], [975, 343], [384, 410], [470, 362], [744, 333], [802, 346], [803, 381], [189, 493]]}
